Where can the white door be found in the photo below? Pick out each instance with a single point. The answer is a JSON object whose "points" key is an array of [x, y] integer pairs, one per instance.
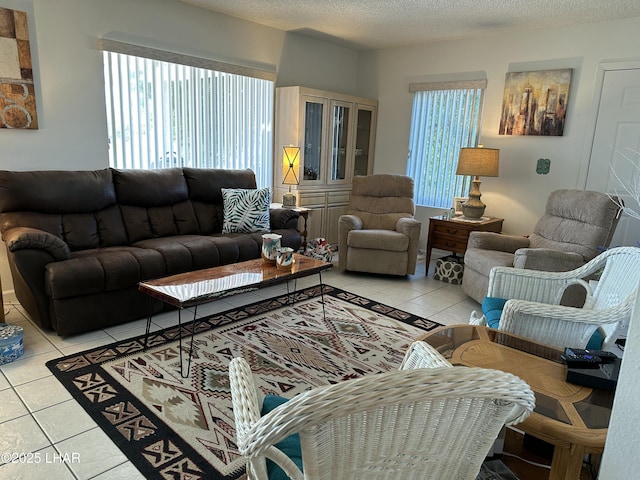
{"points": [[615, 154]]}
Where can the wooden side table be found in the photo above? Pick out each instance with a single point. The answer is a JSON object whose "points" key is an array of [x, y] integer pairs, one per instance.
{"points": [[453, 235], [304, 213], [573, 418]]}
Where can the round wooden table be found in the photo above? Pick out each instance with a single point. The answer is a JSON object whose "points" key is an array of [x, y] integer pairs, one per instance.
{"points": [[571, 417]]}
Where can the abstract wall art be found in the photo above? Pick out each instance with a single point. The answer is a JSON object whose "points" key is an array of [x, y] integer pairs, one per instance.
{"points": [[17, 95], [535, 103]]}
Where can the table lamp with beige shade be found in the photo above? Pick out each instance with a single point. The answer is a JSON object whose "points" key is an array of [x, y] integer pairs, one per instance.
{"points": [[477, 162], [290, 166]]}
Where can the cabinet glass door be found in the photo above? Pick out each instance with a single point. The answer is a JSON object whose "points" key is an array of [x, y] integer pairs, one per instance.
{"points": [[313, 126], [364, 128], [339, 143]]}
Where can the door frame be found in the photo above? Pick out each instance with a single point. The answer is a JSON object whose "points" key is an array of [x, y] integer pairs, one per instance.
{"points": [[603, 68]]}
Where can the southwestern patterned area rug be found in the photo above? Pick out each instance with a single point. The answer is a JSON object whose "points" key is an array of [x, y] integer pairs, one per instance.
{"points": [[172, 427]]}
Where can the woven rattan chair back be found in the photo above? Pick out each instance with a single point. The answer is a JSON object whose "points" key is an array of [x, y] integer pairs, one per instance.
{"points": [[533, 309], [422, 423]]}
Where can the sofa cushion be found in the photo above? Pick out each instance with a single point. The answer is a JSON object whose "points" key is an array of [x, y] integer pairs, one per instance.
{"points": [[378, 221], [152, 222], [206, 184], [183, 253], [380, 200], [205, 192], [246, 210], [568, 226], [150, 188], [103, 228], [78, 207], [56, 191], [378, 240], [102, 270], [154, 203]]}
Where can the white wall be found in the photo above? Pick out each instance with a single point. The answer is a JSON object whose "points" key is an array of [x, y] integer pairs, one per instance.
{"points": [[518, 195]]}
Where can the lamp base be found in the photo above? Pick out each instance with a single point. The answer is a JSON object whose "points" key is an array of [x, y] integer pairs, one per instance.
{"points": [[474, 208], [471, 211], [288, 200]]}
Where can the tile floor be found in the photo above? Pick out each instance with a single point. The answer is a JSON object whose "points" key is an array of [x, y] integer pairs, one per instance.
{"points": [[55, 438]]}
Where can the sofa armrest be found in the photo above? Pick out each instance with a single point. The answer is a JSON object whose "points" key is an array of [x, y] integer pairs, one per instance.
{"points": [[346, 223], [497, 241], [23, 238], [283, 218], [411, 228], [349, 222], [30, 250], [545, 259]]}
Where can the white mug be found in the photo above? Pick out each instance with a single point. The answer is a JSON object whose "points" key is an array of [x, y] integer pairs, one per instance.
{"points": [[284, 259]]}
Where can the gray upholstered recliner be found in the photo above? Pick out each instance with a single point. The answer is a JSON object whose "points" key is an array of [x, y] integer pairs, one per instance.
{"points": [[575, 227], [379, 233]]}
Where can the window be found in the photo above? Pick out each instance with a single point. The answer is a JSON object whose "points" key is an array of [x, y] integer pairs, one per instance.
{"points": [[445, 118], [186, 112]]}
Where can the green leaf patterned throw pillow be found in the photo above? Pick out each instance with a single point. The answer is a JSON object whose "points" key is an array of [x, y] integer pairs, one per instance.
{"points": [[246, 210]]}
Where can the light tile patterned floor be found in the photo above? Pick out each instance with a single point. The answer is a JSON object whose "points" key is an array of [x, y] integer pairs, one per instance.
{"points": [[39, 419]]}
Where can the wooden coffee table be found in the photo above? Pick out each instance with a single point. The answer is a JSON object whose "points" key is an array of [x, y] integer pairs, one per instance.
{"points": [[571, 417], [186, 290]]}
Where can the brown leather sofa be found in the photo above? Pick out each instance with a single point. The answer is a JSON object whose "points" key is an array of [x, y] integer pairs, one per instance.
{"points": [[78, 242]]}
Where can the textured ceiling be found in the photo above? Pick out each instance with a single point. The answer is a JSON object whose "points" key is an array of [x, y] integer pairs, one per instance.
{"points": [[375, 24]]}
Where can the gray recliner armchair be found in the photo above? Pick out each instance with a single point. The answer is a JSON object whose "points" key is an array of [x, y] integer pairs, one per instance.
{"points": [[379, 233], [576, 226]]}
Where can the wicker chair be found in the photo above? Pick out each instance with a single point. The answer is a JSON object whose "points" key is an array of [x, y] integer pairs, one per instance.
{"points": [[533, 309], [423, 355], [422, 423]]}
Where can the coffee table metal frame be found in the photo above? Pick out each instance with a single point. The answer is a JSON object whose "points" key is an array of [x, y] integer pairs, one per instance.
{"points": [[571, 417], [188, 290]]}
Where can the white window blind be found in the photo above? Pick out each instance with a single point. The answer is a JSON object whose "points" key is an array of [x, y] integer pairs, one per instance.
{"points": [[164, 114], [445, 117]]}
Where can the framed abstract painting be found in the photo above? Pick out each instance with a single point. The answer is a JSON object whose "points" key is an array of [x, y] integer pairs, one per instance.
{"points": [[535, 103], [17, 96]]}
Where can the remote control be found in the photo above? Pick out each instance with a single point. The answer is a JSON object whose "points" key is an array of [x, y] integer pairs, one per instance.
{"points": [[574, 359], [605, 357]]}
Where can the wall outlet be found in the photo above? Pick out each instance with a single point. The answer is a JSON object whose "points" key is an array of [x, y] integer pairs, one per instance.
{"points": [[543, 166]]}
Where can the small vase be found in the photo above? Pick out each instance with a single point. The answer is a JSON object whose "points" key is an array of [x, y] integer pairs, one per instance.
{"points": [[270, 246], [284, 259]]}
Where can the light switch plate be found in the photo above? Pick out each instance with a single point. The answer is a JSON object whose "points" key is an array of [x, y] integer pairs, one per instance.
{"points": [[543, 166]]}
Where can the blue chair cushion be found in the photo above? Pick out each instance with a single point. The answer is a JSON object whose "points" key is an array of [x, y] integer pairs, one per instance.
{"points": [[492, 309], [290, 446], [595, 342]]}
